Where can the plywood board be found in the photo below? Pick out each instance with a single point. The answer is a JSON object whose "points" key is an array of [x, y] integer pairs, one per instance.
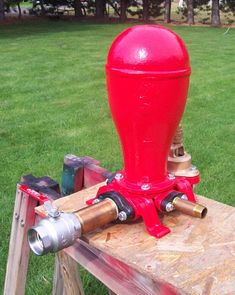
{"points": [[197, 257]]}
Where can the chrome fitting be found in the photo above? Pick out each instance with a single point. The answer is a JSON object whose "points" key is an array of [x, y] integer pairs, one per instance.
{"points": [[184, 197], [169, 207], [122, 216], [54, 233]]}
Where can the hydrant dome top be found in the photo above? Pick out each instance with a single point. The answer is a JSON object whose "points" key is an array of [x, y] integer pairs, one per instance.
{"points": [[151, 49]]}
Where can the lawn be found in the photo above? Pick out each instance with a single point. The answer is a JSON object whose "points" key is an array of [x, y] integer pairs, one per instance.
{"points": [[53, 101]]}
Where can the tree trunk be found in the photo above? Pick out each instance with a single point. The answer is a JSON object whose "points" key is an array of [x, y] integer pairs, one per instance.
{"points": [[123, 7], [167, 13], [215, 13], [2, 11], [99, 5], [19, 10], [145, 10], [78, 8], [43, 12], [190, 18]]}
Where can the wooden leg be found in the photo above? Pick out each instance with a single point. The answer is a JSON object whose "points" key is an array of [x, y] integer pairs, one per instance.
{"points": [[18, 256], [67, 272], [58, 283], [116, 275]]}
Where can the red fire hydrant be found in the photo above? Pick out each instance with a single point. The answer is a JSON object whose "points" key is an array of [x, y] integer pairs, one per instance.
{"points": [[147, 79]]}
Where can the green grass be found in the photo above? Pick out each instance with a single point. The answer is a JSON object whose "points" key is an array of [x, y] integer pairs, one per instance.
{"points": [[53, 102]]}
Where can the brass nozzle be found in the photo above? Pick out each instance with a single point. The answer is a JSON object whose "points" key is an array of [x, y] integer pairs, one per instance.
{"points": [[179, 135], [189, 208]]}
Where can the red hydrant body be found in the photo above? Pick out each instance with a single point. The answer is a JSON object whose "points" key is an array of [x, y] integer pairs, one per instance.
{"points": [[147, 79]]}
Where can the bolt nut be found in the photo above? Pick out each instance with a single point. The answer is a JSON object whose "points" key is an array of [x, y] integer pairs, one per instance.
{"points": [[169, 207], [118, 176], [95, 201], [54, 213], [122, 216], [171, 176], [145, 187], [51, 211], [184, 197]]}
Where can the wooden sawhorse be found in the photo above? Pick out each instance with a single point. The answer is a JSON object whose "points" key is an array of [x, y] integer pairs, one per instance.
{"points": [[197, 257]]}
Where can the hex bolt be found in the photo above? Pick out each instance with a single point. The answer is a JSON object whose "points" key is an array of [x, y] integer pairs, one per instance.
{"points": [[145, 187], [171, 176], [122, 216], [95, 201], [118, 176], [54, 213], [169, 207], [184, 197], [51, 211]]}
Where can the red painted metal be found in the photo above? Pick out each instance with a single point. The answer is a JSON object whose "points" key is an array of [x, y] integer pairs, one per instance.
{"points": [[147, 74], [32, 193], [147, 79]]}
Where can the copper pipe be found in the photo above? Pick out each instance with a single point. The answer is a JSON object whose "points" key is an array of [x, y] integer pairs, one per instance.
{"points": [[189, 208], [97, 215]]}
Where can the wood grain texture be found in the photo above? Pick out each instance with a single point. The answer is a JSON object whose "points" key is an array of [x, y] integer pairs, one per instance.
{"points": [[70, 274], [18, 256], [197, 257], [58, 282], [119, 277]]}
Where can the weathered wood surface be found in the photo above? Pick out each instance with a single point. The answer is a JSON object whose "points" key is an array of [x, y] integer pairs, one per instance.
{"points": [[18, 256], [119, 277], [67, 279], [198, 257], [58, 283]]}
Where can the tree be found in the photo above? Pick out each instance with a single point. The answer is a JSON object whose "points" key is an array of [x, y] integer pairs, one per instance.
{"points": [[142, 9], [190, 14], [2, 10], [145, 10], [123, 8], [167, 12], [78, 8], [13, 3], [215, 13], [228, 8], [156, 7], [37, 4], [19, 8], [230, 4], [99, 8]]}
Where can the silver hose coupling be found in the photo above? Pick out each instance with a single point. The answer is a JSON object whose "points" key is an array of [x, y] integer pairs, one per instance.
{"points": [[60, 230], [54, 233]]}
